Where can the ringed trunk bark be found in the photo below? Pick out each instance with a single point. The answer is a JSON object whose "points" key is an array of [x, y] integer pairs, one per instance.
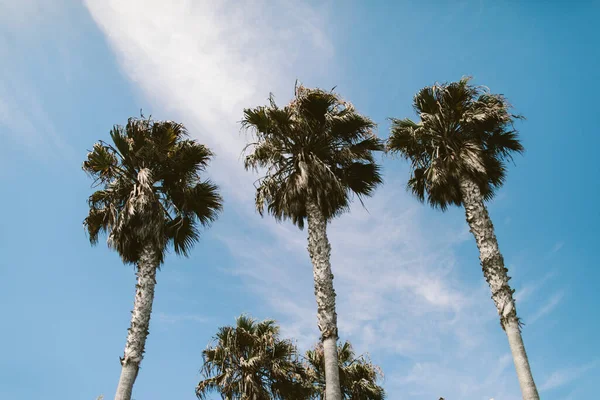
{"points": [[496, 275], [140, 322], [320, 252]]}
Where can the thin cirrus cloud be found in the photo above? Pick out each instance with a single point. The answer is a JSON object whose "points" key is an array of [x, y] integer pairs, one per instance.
{"points": [[557, 246], [548, 306], [529, 289], [397, 293], [169, 318], [32, 128], [23, 114], [567, 375]]}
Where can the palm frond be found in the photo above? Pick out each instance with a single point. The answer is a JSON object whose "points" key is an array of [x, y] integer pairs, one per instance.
{"points": [[250, 361], [310, 150], [101, 163], [464, 131], [151, 191], [97, 221]]}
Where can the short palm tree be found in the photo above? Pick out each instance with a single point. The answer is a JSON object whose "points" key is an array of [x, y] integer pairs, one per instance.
{"points": [[316, 153], [151, 196], [458, 153], [358, 375], [251, 362]]}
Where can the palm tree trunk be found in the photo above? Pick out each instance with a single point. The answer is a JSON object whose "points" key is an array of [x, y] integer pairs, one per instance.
{"points": [[140, 322], [497, 278], [320, 252]]}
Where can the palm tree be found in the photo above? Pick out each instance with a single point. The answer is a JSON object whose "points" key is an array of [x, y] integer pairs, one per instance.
{"points": [[250, 361], [151, 196], [458, 153], [316, 152], [358, 376]]}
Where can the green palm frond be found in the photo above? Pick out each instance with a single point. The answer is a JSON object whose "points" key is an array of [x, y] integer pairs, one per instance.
{"points": [[102, 163], [359, 377], [183, 233], [317, 148], [151, 190], [98, 221], [251, 361], [464, 130]]}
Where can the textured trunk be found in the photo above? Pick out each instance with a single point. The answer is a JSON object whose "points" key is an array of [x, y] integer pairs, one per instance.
{"points": [[320, 251], [140, 321], [497, 278]]}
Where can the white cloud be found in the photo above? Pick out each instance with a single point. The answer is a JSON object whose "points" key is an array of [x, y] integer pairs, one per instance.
{"points": [[398, 294], [205, 61], [25, 14], [450, 382], [557, 246], [566, 375], [22, 114], [551, 303], [168, 318], [530, 288]]}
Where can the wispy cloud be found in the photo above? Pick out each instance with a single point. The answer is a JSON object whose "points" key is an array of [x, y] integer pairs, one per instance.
{"points": [[398, 293], [530, 288], [397, 260], [451, 382], [566, 375], [550, 304], [203, 62], [168, 318], [25, 14], [23, 115], [557, 246]]}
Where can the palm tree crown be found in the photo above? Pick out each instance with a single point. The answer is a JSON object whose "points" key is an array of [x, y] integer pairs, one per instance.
{"points": [[358, 376], [151, 191], [464, 131], [317, 148], [250, 361]]}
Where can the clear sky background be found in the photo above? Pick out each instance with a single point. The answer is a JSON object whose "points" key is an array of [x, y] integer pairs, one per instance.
{"points": [[410, 288]]}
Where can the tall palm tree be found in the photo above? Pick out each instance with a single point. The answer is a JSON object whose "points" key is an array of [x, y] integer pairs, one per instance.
{"points": [[316, 153], [151, 196], [358, 375], [458, 153], [251, 362]]}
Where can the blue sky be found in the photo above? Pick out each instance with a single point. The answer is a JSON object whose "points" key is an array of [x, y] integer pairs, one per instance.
{"points": [[410, 289]]}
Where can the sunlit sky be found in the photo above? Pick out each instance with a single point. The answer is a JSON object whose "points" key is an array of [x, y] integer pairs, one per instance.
{"points": [[410, 288]]}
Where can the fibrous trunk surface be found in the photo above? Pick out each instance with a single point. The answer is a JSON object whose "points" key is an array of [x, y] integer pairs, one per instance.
{"points": [[320, 252], [140, 322], [496, 275]]}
